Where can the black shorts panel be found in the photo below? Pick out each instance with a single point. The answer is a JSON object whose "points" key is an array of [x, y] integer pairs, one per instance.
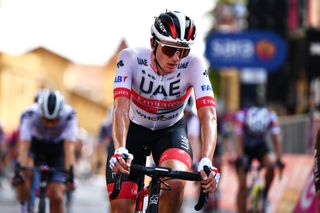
{"points": [[256, 152], [142, 141], [47, 152]]}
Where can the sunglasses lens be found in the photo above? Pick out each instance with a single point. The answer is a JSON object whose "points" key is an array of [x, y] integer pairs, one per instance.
{"points": [[169, 51], [184, 53]]}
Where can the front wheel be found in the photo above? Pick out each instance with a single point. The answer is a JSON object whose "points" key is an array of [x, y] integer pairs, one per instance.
{"points": [[42, 205]]}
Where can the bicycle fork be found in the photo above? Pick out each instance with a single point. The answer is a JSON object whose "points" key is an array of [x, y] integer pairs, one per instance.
{"points": [[154, 195]]}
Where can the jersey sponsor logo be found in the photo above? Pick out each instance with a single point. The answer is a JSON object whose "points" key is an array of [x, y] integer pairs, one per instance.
{"points": [[206, 88], [184, 142], [157, 118], [120, 64], [27, 114], [71, 116], [183, 65], [121, 92], [159, 106], [206, 73], [205, 101], [119, 79], [173, 89], [142, 61], [257, 120]]}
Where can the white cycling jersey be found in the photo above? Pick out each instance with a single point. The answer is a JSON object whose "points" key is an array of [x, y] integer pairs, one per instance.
{"points": [[31, 125], [157, 101]]}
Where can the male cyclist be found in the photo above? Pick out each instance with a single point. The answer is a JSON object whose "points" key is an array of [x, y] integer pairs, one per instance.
{"points": [[47, 133], [317, 168], [251, 128], [151, 89]]}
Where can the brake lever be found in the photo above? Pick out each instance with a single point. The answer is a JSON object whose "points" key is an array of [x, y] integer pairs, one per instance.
{"points": [[203, 197]]}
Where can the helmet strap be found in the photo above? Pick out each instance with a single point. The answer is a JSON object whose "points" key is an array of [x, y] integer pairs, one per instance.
{"points": [[155, 56]]}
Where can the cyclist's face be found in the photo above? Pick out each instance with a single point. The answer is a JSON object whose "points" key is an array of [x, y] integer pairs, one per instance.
{"points": [[48, 122], [169, 54]]}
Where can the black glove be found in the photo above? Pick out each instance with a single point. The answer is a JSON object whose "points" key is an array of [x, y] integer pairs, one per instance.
{"points": [[17, 179], [280, 164], [70, 179], [70, 176], [241, 163]]}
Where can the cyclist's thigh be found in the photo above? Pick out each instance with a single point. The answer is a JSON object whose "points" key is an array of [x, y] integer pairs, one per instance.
{"points": [[317, 174], [56, 190], [172, 144], [136, 139]]}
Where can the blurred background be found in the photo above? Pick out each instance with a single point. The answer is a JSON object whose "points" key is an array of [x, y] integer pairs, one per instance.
{"points": [[265, 50]]}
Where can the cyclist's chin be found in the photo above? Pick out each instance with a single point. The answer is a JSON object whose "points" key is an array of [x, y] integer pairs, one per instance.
{"points": [[170, 69]]}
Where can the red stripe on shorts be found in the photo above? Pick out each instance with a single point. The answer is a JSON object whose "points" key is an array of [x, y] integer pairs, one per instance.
{"points": [[176, 154]]}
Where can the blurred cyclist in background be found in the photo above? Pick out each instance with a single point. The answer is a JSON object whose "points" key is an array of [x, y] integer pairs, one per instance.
{"points": [[317, 168], [47, 134], [252, 126], [151, 88], [3, 151], [104, 139]]}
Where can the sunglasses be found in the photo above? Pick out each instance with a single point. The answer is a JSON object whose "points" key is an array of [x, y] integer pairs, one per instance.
{"points": [[170, 50]]}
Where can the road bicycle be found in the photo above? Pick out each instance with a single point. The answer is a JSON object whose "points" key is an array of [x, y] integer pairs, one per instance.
{"points": [[39, 186], [150, 194], [255, 190]]}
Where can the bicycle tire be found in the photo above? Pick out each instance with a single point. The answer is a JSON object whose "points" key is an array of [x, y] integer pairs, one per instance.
{"points": [[257, 200], [42, 205]]}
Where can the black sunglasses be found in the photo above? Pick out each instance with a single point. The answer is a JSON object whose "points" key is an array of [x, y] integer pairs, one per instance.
{"points": [[170, 50]]}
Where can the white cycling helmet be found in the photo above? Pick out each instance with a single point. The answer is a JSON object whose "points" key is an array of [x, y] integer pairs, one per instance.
{"points": [[174, 26], [51, 104]]}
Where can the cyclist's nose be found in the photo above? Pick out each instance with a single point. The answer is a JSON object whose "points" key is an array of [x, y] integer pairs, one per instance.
{"points": [[176, 56]]}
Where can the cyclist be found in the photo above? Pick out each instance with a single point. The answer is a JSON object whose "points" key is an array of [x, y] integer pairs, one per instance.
{"points": [[151, 89], [3, 151], [317, 168], [104, 139], [252, 125], [47, 133]]}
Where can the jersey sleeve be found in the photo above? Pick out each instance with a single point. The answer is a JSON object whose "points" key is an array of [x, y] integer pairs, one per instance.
{"points": [[199, 78], [26, 121], [123, 78], [275, 127], [238, 123], [71, 129]]}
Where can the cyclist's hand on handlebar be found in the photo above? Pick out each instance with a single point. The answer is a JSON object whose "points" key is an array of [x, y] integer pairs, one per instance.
{"points": [[118, 164], [70, 179], [210, 177], [18, 177], [281, 166]]}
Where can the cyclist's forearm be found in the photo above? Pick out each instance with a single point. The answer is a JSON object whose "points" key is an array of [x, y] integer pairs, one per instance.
{"points": [[120, 123], [208, 120], [239, 147], [23, 149], [69, 154], [277, 145]]}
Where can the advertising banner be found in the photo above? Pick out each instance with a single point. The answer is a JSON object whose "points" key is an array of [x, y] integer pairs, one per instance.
{"points": [[256, 49]]}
